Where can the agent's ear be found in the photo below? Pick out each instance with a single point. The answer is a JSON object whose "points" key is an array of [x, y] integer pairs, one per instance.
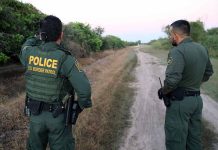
{"points": [[176, 37], [60, 38], [62, 35]]}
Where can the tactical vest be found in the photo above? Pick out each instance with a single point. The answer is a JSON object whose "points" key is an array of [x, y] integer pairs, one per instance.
{"points": [[43, 79]]}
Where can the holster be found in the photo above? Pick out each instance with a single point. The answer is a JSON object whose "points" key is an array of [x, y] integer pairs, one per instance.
{"points": [[72, 111], [177, 94], [166, 100], [76, 110], [35, 107]]}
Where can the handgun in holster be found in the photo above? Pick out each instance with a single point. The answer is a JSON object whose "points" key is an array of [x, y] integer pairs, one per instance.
{"points": [[72, 111], [166, 98]]}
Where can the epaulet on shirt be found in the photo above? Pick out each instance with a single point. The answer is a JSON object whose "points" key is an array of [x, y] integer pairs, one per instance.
{"points": [[64, 50]]}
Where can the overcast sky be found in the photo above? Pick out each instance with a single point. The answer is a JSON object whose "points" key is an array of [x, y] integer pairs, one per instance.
{"points": [[131, 19]]}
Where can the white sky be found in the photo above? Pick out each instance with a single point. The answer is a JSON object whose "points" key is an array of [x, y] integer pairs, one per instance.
{"points": [[131, 19]]}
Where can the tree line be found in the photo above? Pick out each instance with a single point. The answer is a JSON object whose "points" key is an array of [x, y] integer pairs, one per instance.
{"points": [[19, 21], [208, 38]]}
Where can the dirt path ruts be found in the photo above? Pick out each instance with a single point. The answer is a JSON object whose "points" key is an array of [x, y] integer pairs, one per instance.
{"points": [[148, 113], [210, 111], [146, 132]]}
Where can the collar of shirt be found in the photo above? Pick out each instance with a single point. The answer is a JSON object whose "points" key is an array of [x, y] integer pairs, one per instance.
{"points": [[186, 40], [49, 46]]}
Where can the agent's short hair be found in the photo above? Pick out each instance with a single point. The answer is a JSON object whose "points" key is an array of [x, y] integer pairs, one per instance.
{"points": [[181, 26], [50, 28]]}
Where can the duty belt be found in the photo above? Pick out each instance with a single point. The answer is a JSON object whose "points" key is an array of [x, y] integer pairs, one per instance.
{"points": [[46, 106], [179, 93], [49, 107], [192, 93]]}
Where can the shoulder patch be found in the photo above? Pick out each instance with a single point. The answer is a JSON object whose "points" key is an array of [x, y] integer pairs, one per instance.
{"points": [[170, 60], [78, 66], [25, 47]]}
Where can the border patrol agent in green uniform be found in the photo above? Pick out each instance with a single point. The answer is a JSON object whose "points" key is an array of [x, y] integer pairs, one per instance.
{"points": [[188, 66], [52, 74]]}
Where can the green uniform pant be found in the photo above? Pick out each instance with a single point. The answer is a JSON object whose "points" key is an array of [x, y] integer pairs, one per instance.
{"points": [[183, 124], [44, 129]]}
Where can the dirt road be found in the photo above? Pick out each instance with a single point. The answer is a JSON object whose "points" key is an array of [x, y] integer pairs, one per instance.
{"points": [[148, 112]]}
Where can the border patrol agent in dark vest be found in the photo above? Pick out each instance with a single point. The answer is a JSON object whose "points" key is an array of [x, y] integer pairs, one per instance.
{"points": [[188, 66], [52, 75]]}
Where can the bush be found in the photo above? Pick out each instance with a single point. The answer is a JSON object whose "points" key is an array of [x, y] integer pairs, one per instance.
{"points": [[197, 31], [18, 21], [133, 43], [211, 41], [198, 34], [161, 43], [84, 35], [112, 42], [3, 58]]}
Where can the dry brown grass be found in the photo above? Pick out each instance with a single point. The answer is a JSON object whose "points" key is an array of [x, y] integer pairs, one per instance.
{"points": [[13, 125], [105, 75], [11, 87], [12, 82], [94, 57]]}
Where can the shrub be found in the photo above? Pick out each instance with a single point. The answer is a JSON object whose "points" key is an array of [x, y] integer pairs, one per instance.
{"points": [[112, 42], [3, 58]]}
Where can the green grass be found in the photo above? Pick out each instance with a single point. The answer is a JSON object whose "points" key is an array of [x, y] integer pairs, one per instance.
{"points": [[211, 87], [161, 54]]}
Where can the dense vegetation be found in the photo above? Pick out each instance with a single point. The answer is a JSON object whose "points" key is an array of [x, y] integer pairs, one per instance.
{"points": [[81, 39], [208, 38], [112, 42], [18, 21]]}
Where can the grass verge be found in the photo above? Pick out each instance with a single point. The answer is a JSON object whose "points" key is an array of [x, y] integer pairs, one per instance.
{"points": [[161, 54], [211, 87], [105, 71], [13, 125], [103, 126], [122, 99]]}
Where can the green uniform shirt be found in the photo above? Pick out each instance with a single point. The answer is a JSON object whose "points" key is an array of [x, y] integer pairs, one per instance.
{"points": [[188, 66], [69, 68]]}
